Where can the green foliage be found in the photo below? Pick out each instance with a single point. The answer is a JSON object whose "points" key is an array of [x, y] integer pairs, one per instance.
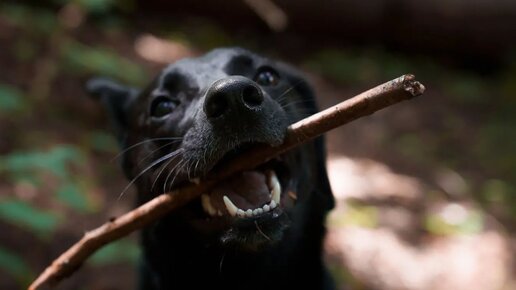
{"points": [[500, 193], [466, 89], [496, 143], [93, 60], [102, 141], [11, 100], [15, 266], [497, 191], [73, 195], [27, 166], [38, 20], [122, 251], [356, 214], [29, 217], [357, 67], [342, 276], [97, 6], [55, 161], [472, 224]]}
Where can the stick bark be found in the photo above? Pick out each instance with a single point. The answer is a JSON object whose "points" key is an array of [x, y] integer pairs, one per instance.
{"points": [[366, 103]]}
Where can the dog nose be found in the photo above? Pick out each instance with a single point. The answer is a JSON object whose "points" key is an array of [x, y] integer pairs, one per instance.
{"points": [[232, 95]]}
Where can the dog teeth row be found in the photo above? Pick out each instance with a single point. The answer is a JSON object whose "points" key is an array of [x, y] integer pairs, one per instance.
{"points": [[235, 211], [238, 212]]}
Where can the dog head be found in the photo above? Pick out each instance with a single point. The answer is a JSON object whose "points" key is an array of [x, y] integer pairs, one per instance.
{"points": [[201, 111]]}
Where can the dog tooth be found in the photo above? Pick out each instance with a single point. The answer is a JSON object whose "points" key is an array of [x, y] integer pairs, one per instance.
{"points": [[273, 204], [256, 212], [240, 213], [276, 188], [266, 208], [249, 213], [260, 210], [206, 204], [230, 206]]}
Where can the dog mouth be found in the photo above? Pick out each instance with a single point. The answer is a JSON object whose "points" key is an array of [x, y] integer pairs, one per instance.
{"points": [[247, 195]]}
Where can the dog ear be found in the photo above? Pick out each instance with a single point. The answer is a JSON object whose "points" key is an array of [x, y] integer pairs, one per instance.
{"points": [[116, 98]]}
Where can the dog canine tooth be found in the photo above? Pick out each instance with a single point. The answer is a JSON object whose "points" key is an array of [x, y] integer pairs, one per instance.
{"points": [[276, 188], [230, 206], [207, 206], [273, 204]]}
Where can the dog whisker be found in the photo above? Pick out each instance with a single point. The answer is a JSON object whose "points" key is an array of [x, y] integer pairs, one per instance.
{"points": [[221, 262], [155, 150], [156, 162], [178, 171], [165, 165], [280, 98], [178, 165], [297, 102], [260, 231], [196, 165], [143, 142]]}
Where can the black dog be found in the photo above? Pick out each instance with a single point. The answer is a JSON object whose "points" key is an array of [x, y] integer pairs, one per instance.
{"points": [[261, 229]]}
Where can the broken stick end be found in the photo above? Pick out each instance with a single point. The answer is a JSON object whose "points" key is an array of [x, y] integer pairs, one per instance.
{"points": [[412, 86]]}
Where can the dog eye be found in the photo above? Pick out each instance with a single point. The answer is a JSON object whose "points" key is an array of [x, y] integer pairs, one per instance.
{"points": [[162, 106], [267, 77]]}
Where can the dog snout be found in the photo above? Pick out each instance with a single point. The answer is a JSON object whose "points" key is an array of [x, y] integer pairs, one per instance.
{"points": [[232, 97]]}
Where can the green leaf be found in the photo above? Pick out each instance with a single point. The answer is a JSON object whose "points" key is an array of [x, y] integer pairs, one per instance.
{"points": [[103, 141], [357, 215], [124, 251], [72, 195], [25, 215], [55, 161], [34, 19], [11, 99], [15, 266], [472, 224], [97, 6]]}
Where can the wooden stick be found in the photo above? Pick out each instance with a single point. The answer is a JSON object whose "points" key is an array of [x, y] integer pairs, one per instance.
{"points": [[382, 96]]}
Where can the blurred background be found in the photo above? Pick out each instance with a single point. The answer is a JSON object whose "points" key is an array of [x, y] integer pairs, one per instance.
{"points": [[426, 189]]}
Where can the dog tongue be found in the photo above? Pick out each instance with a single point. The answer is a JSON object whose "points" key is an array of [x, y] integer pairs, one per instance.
{"points": [[247, 190]]}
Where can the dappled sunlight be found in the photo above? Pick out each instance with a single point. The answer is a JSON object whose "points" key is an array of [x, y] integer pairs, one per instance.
{"points": [[388, 235], [160, 50], [383, 260], [365, 178]]}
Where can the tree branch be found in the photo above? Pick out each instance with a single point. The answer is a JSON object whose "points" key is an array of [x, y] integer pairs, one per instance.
{"points": [[382, 96]]}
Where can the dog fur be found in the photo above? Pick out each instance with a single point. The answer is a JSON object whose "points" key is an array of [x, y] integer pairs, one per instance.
{"points": [[197, 112]]}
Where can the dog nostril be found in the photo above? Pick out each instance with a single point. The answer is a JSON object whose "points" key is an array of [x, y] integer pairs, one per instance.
{"points": [[252, 96], [216, 105]]}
